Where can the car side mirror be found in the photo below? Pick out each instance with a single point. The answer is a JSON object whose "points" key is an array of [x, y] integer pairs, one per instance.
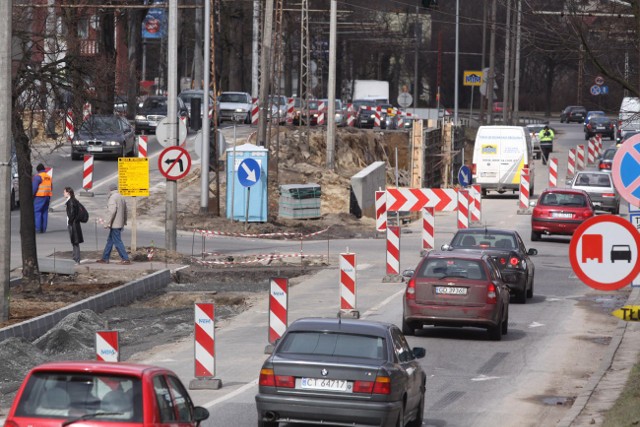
{"points": [[532, 251], [200, 414], [445, 247], [569, 181], [419, 352], [408, 273], [532, 203]]}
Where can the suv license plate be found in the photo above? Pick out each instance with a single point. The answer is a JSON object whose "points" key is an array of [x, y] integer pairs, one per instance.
{"points": [[323, 384], [447, 290], [94, 149]]}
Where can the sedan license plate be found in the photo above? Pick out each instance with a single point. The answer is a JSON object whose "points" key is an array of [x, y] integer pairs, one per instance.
{"points": [[450, 290], [323, 384], [561, 215], [94, 149], [600, 127]]}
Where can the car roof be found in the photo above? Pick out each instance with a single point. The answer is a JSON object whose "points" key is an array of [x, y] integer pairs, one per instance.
{"points": [[472, 255], [475, 230], [593, 172], [564, 191], [332, 324], [97, 367]]}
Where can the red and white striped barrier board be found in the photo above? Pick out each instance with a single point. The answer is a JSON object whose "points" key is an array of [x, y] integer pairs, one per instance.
{"points": [[142, 145], [255, 112], [204, 339], [400, 122], [393, 249], [87, 172], [463, 209], [414, 199], [553, 172], [428, 227], [580, 157], [347, 282], [598, 138], [598, 146], [571, 162], [381, 210], [86, 111], [107, 346], [351, 115], [321, 113], [70, 130], [524, 189], [290, 110], [475, 203], [278, 308], [376, 121], [591, 151]]}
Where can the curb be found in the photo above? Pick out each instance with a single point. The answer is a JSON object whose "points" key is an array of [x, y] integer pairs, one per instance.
{"points": [[583, 398], [121, 295]]}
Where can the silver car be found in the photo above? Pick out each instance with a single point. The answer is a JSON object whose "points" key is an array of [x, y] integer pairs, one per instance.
{"points": [[600, 188], [343, 372]]}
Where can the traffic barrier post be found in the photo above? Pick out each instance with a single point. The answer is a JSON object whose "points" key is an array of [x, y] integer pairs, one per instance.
{"points": [[393, 254], [86, 111], [87, 175], [463, 209], [591, 151], [70, 130], [428, 228], [348, 286], [475, 204], [553, 172], [255, 111], [381, 211], [580, 157], [321, 112], [107, 346], [523, 202], [290, 110], [142, 145], [204, 348], [278, 310], [571, 163]]}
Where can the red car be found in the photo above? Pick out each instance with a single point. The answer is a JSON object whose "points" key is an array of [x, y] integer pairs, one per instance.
{"points": [[102, 394], [560, 211], [455, 289]]}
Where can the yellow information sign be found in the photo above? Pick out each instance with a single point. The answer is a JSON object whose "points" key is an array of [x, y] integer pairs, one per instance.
{"points": [[472, 78], [133, 176], [630, 313]]}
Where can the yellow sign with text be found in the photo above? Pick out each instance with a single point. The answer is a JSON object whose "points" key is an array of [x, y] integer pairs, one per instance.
{"points": [[472, 78], [133, 176], [630, 313]]}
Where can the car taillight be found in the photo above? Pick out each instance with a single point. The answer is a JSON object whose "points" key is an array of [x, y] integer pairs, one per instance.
{"points": [[514, 261], [502, 261], [267, 377], [589, 126], [604, 166], [10, 423], [492, 295], [382, 385], [285, 381], [362, 386], [587, 213], [473, 169], [410, 293], [608, 195]]}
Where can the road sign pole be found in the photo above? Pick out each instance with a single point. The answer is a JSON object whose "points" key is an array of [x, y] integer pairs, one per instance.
{"points": [[246, 212]]}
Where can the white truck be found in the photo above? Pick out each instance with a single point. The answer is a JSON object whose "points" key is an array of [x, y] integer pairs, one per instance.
{"points": [[377, 90]]}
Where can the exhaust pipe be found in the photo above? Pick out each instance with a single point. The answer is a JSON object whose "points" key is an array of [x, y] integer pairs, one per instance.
{"points": [[270, 416]]}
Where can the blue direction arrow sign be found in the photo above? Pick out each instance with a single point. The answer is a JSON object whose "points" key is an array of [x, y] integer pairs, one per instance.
{"points": [[464, 176], [248, 172]]}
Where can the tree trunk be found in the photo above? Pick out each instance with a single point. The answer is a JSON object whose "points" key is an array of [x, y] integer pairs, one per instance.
{"points": [[134, 23]]}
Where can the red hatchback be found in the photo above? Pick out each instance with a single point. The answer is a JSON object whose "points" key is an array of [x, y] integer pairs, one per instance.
{"points": [[102, 394], [560, 211]]}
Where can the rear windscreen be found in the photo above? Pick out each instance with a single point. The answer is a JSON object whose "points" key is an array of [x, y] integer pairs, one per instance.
{"points": [[451, 267], [333, 344]]}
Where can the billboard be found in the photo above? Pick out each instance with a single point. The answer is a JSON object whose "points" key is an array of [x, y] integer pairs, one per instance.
{"points": [[154, 25]]}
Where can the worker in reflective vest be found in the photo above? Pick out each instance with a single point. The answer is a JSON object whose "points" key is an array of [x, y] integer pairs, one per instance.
{"points": [[42, 188]]}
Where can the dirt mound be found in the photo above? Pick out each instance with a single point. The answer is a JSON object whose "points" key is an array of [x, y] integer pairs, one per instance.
{"points": [[74, 334]]}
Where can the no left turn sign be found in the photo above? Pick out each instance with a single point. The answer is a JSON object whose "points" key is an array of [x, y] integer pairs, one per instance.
{"points": [[604, 252], [174, 163]]}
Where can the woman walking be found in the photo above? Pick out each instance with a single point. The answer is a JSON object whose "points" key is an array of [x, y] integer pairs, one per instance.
{"points": [[73, 223]]}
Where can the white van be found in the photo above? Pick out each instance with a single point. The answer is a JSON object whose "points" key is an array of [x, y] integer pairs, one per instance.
{"points": [[499, 155]]}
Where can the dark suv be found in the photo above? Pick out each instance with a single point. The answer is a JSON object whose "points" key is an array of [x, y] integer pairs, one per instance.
{"points": [[573, 113]]}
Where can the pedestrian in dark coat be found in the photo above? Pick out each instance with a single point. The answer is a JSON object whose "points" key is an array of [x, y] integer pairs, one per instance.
{"points": [[73, 223]]}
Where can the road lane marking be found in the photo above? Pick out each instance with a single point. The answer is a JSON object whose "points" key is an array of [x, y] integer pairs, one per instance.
{"points": [[231, 395]]}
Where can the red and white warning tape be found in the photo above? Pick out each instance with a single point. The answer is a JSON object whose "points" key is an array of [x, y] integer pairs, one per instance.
{"points": [[209, 233], [258, 258]]}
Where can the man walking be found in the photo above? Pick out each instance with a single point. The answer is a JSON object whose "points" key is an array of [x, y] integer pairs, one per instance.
{"points": [[117, 209], [545, 136], [42, 188]]}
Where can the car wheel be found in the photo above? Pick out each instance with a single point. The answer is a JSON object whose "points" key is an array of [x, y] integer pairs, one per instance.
{"points": [[417, 421], [616, 210], [586, 136], [530, 290], [75, 156], [535, 236], [247, 120], [505, 324], [495, 332], [407, 328], [531, 191]]}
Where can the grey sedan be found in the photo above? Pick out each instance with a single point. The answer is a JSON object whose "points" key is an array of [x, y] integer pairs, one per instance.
{"points": [[600, 188], [342, 372]]}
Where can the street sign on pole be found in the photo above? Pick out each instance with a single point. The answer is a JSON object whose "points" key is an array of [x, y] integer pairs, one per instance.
{"points": [[162, 133], [248, 172], [472, 78], [405, 99], [626, 169], [599, 80], [604, 252], [595, 90], [133, 176], [464, 176], [174, 163]]}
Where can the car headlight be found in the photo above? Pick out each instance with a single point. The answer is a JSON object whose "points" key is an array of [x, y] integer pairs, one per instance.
{"points": [[241, 110], [140, 117], [112, 143], [79, 142]]}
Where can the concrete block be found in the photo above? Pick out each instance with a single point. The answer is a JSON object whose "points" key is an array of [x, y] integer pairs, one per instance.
{"points": [[205, 384], [364, 184], [56, 266]]}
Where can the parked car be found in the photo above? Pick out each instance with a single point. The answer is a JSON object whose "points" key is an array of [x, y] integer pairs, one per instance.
{"points": [[534, 130], [278, 108], [560, 211], [235, 106], [342, 372], [591, 114], [104, 136], [599, 186], [456, 289], [341, 114], [509, 252], [187, 95], [625, 134], [573, 113], [605, 161], [600, 125], [154, 109], [103, 394]]}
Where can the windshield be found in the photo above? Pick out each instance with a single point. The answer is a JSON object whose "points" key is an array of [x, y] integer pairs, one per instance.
{"points": [[333, 344], [440, 268], [233, 97], [609, 154], [71, 395], [155, 103], [484, 240], [102, 124], [593, 180]]}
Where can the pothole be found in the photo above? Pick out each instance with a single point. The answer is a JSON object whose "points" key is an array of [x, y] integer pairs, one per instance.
{"points": [[558, 400], [601, 340]]}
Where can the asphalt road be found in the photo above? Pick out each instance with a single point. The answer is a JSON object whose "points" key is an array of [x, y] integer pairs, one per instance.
{"points": [[530, 378]]}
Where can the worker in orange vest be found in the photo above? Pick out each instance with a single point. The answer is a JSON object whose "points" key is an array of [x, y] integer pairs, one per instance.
{"points": [[42, 188]]}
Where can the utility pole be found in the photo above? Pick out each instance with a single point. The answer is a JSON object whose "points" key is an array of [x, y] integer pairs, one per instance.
{"points": [[255, 49], [331, 119], [507, 67], [416, 34], [265, 59], [5, 155], [516, 89], [206, 136], [456, 73], [171, 212], [483, 61], [492, 61], [304, 64]]}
